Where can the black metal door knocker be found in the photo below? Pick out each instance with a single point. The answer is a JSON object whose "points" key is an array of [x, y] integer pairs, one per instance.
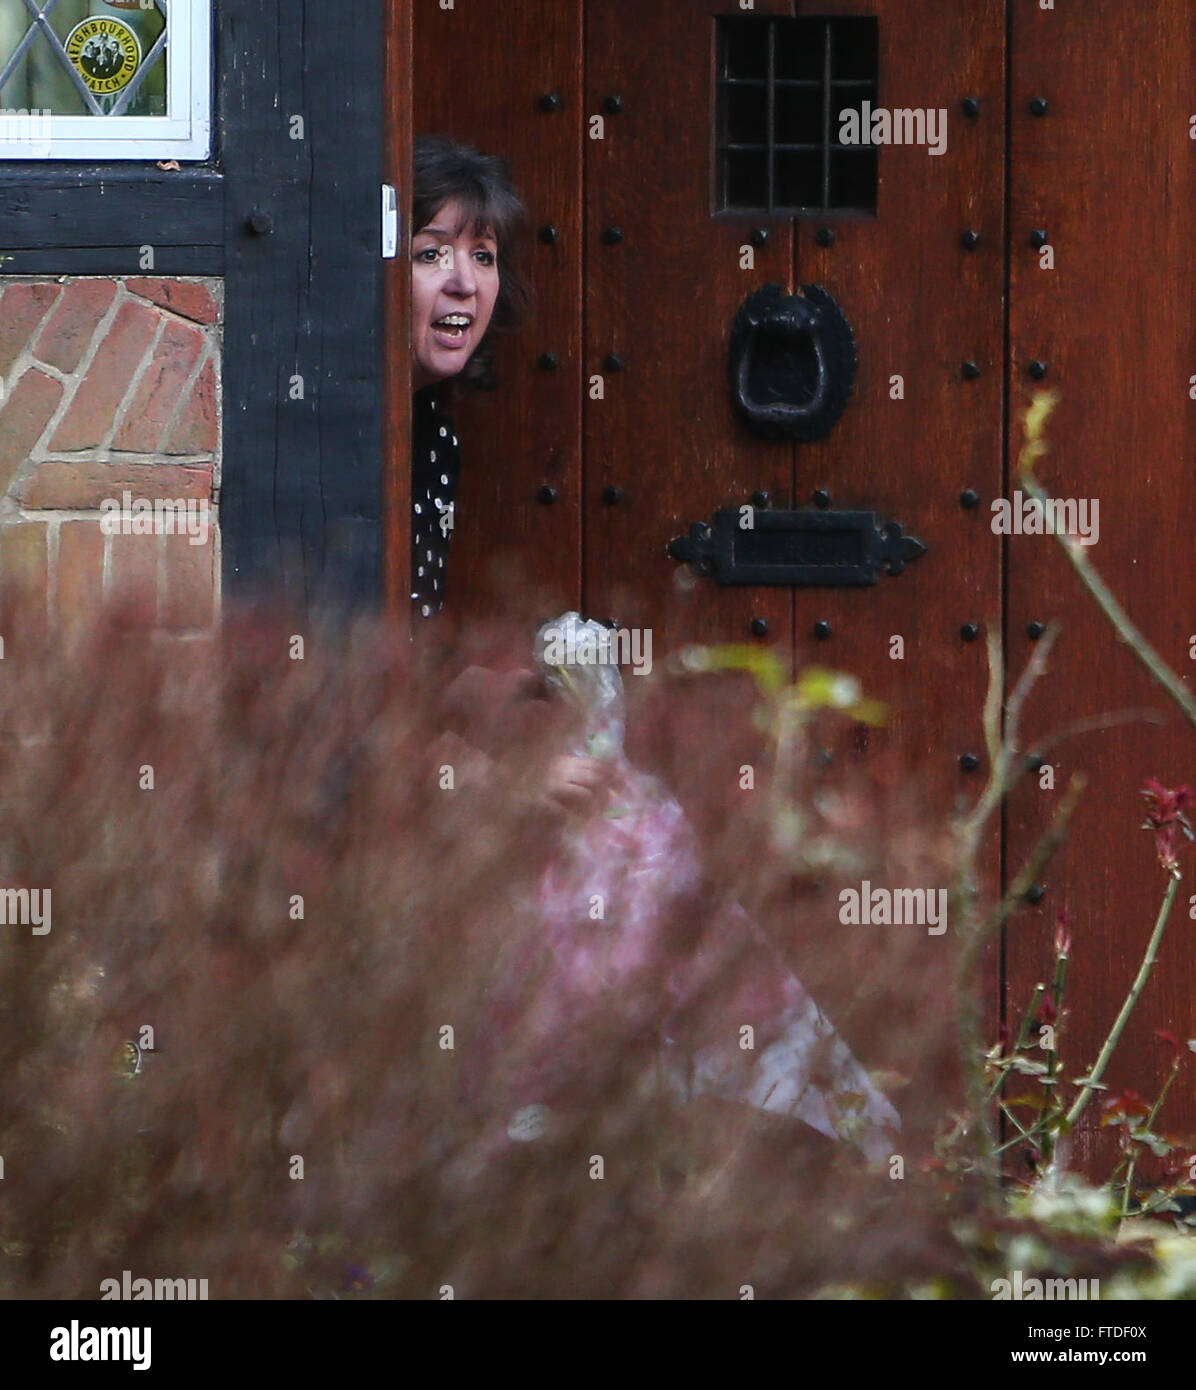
{"points": [[793, 362]]}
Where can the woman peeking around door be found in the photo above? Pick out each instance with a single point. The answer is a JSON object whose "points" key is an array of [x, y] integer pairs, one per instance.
{"points": [[466, 287]]}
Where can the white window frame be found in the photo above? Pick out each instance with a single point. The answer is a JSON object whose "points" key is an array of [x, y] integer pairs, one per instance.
{"points": [[185, 132]]}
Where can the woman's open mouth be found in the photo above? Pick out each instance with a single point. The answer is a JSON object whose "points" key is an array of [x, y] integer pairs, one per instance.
{"points": [[452, 330]]}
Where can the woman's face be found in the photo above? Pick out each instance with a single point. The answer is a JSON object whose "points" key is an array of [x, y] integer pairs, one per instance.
{"points": [[454, 276]]}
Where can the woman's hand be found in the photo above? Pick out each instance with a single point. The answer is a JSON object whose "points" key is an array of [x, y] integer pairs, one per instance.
{"points": [[487, 704], [470, 766], [571, 784], [574, 783], [478, 688], [488, 707]]}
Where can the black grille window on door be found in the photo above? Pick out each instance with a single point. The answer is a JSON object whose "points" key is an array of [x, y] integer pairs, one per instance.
{"points": [[783, 85]]}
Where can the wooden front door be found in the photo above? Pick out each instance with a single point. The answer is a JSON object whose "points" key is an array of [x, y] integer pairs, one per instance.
{"points": [[1101, 158], [613, 430]]}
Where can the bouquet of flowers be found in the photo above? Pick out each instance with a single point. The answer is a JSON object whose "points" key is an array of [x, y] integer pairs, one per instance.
{"points": [[624, 951]]}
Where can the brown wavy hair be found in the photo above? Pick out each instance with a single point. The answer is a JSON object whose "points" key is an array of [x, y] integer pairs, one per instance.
{"points": [[444, 168]]}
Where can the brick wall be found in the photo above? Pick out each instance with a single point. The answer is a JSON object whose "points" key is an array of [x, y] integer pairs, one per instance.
{"points": [[109, 393]]}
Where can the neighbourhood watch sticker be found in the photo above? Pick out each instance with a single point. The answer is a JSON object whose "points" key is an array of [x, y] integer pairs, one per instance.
{"points": [[106, 52]]}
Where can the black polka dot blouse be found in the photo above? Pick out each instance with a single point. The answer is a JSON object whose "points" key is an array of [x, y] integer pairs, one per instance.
{"points": [[434, 467]]}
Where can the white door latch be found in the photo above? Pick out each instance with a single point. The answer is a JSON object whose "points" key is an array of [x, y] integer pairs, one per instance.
{"points": [[390, 222]]}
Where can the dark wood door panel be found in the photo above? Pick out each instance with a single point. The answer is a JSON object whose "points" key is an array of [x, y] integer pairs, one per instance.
{"points": [[396, 288], [1107, 172], [662, 299], [921, 305], [918, 434]]}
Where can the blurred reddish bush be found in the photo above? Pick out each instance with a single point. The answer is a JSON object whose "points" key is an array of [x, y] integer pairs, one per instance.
{"points": [[278, 1038]]}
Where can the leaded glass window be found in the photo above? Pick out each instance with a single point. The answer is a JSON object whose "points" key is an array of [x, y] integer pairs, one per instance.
{"points": [[104, 79]]}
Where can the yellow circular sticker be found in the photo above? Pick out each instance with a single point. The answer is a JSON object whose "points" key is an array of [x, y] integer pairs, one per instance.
{"points": [[106, 52]]}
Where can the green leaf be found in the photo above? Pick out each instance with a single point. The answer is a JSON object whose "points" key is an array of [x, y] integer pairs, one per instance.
{"points": [[1038, 1102], [761, 663], [1159, 1147], [819, 688], [1028, 1068]]}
